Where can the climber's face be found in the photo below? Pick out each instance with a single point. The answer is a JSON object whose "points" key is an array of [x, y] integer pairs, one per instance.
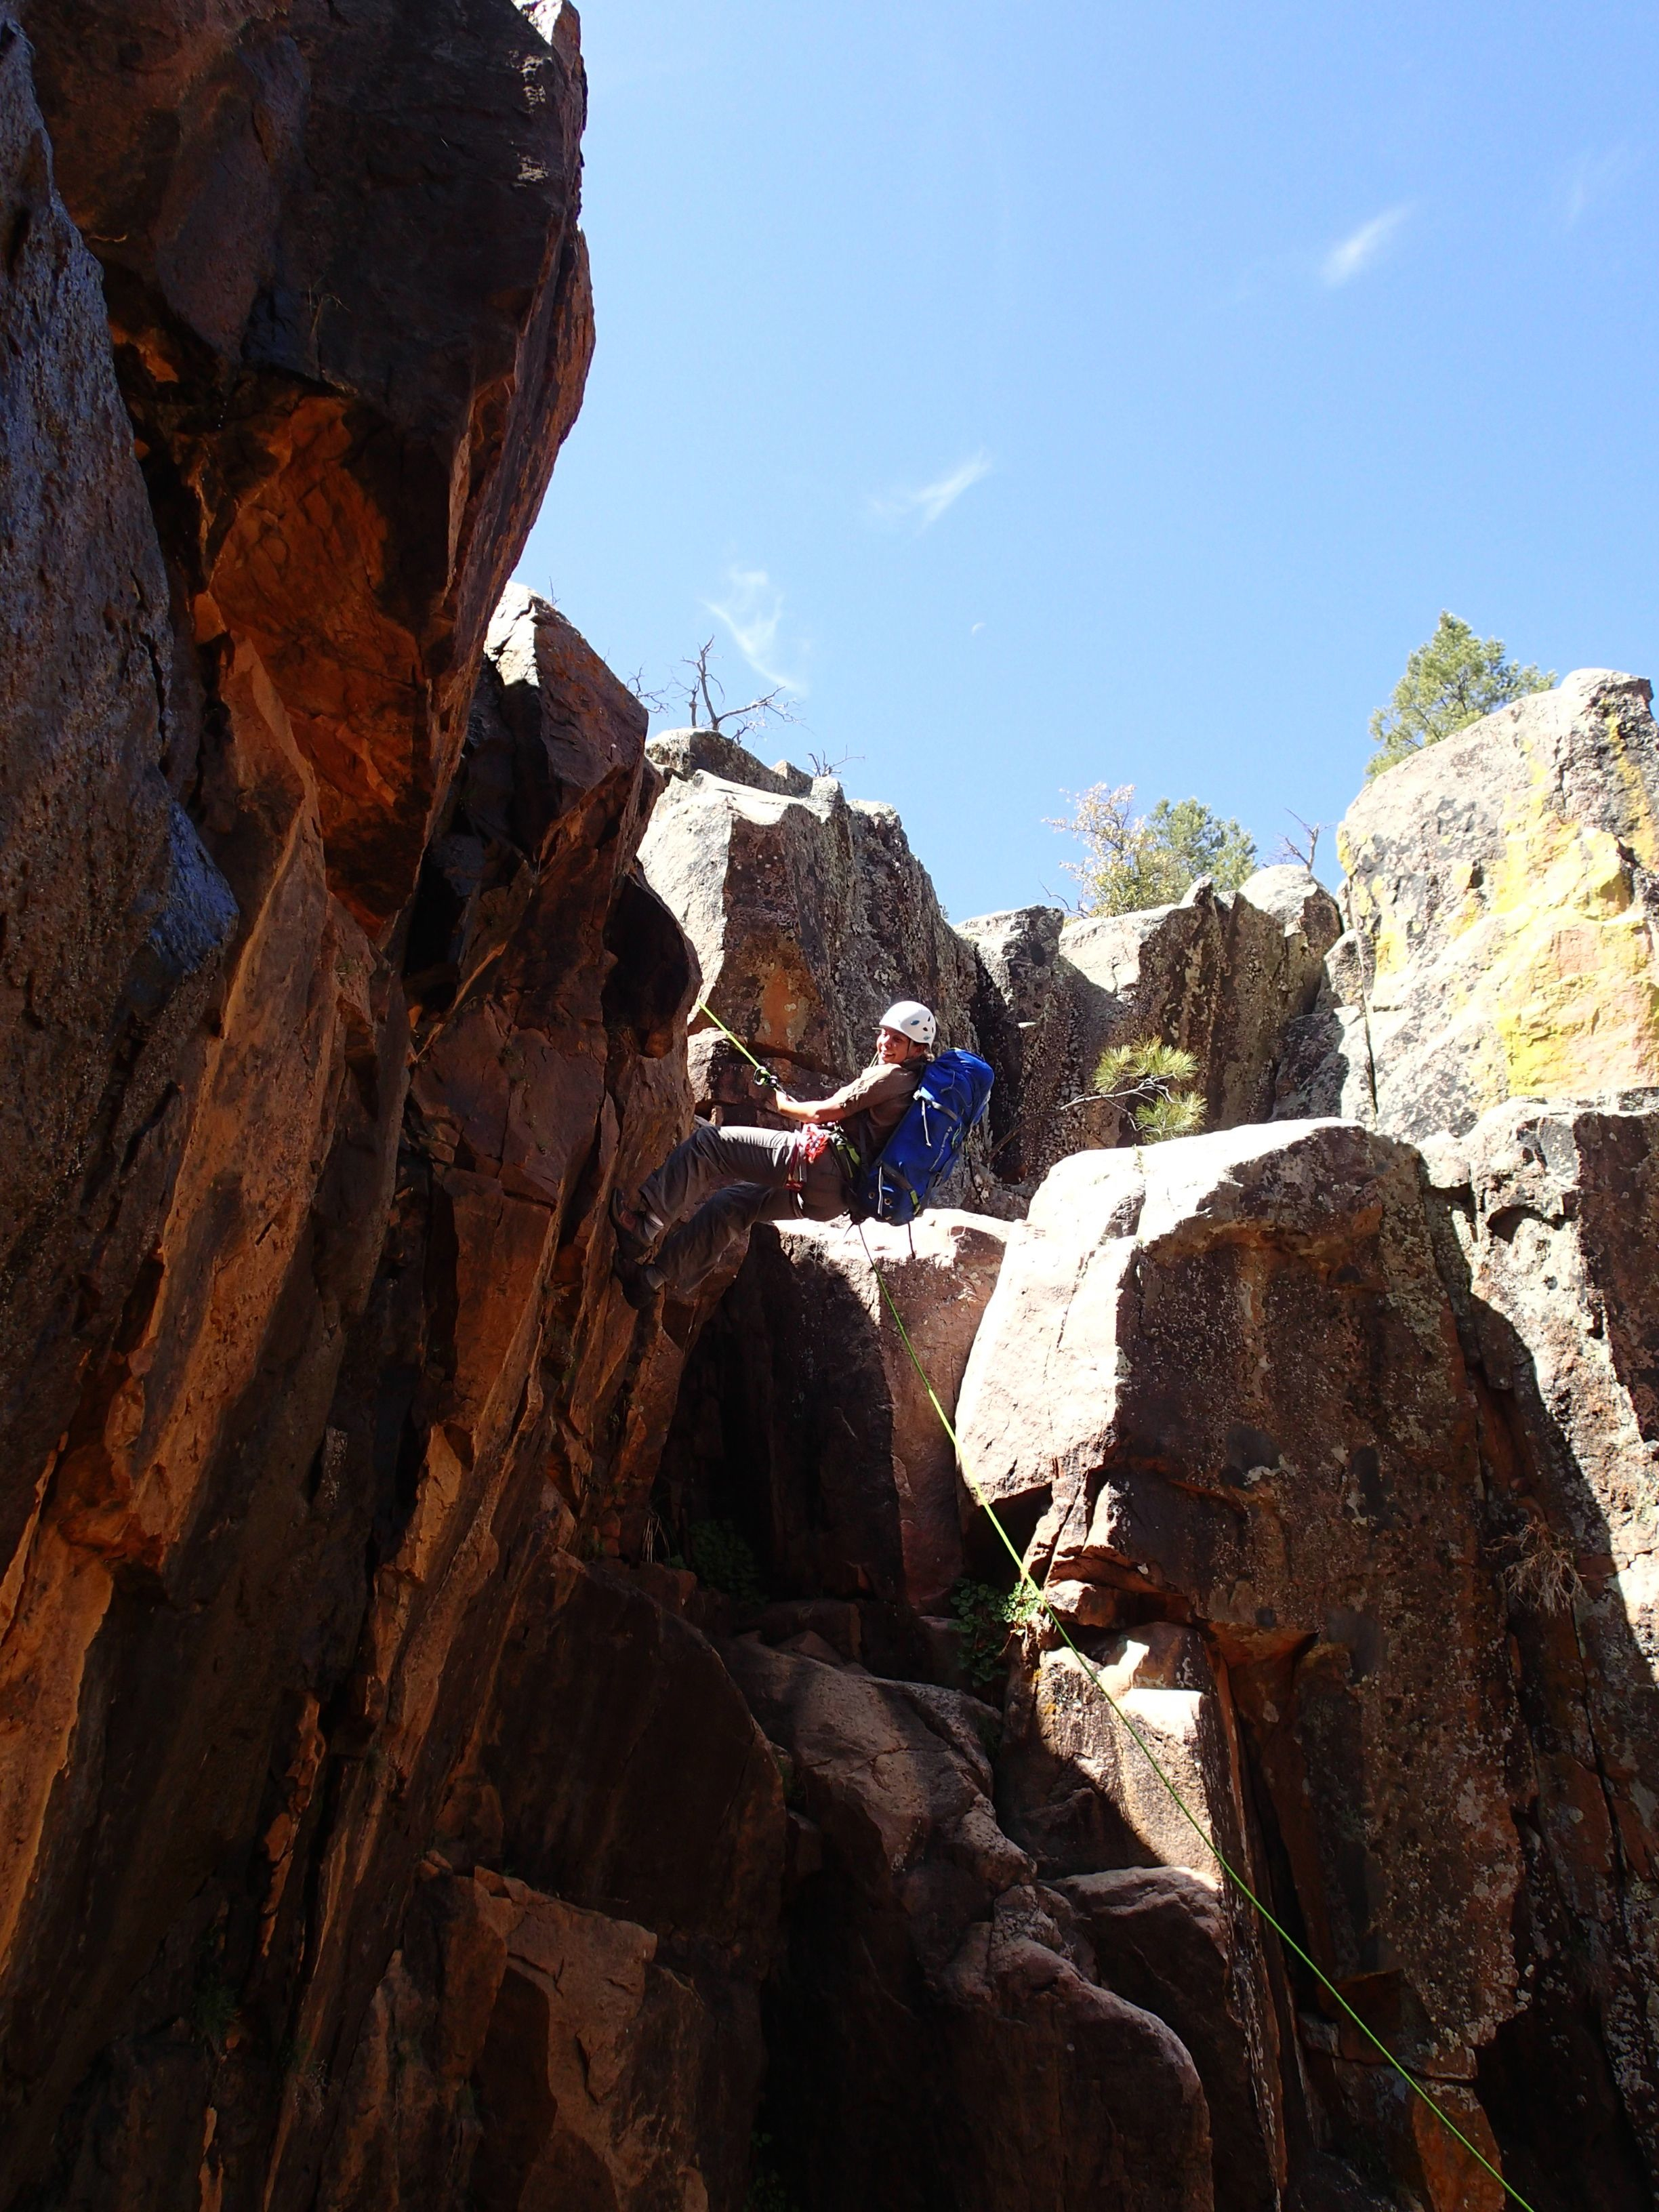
{"points": [[893, 1047]]}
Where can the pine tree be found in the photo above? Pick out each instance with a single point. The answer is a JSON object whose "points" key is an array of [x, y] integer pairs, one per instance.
{"points": [[1450, 682]]}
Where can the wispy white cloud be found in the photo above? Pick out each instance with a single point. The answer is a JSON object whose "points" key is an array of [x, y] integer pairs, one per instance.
{"points": [[924, 504], [753, 610], [1591, 177], [1356, 253]]}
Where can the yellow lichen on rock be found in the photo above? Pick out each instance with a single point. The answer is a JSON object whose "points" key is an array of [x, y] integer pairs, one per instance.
{"points": [[1501, 881]]}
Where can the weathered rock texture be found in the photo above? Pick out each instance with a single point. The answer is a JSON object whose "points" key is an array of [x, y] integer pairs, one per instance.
{"points": [[334, 1006], [370, 1835], [114, 917], [809, 912], [587, 2028], [1545, 1221], [1225, 1379], [351, 318], [941, 2038], [804, 1422], [1502, 890], [1229, 978]]}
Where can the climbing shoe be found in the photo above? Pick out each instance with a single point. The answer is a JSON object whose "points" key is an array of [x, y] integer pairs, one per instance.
{"points": [[640, 1283], [637, 1231]]}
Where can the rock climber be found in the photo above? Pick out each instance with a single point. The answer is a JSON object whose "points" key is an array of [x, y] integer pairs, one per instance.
{"points": [[715, 1187]]}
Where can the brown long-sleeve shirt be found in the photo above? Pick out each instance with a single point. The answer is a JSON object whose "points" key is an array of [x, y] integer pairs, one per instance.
{"points": [[872, 1106]]}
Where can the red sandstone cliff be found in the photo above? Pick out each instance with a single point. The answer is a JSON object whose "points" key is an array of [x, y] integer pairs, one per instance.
{"points": [[380, 1824]]}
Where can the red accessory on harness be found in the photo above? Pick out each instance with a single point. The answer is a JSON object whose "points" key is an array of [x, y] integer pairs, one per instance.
{"points": [[811, 1145]]}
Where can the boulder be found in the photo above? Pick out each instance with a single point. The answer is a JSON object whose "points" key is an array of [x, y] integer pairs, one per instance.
{"points": [[939, 2029], [1222, 1379], [1228, 976], [1502, 887], [1221, 975], [802, 1419], [1547, 1217], [809, 912]]}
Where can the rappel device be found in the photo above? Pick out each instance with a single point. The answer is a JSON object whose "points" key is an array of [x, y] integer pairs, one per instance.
{"points": [[951, 1098]]}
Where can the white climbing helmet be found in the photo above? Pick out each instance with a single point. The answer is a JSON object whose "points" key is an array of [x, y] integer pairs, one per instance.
{"points": [[912, 1019]]}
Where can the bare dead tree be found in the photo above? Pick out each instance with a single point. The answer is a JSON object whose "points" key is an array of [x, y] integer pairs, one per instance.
{"points": [[775, 705], [1302, 854], [655, 702], [822, 765]]}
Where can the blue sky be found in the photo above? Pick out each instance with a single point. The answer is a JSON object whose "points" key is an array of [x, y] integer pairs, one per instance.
{"points": [[1079, 391]]}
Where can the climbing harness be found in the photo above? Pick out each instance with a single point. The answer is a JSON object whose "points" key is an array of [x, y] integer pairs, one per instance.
{"points": [[812, 1142], [1151, 1757]]}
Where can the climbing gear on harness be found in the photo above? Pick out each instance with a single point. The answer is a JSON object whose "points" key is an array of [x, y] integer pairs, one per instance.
{"points": [[1151, 1757], [948, 1101], [909, 1018], [811, 1145]]}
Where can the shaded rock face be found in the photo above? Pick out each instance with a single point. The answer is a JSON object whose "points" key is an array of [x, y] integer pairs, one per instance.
{"points": [[116, 919], [809, 912], [346, 1007], [1545, 1220], [585, 2028], [803, 1421], [1024, 1015], [1502, 894], [940, 2037], [1229, 978]]}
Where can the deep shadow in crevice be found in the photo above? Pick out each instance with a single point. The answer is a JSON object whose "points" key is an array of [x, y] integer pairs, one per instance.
{"points": [[1550, 2080]]}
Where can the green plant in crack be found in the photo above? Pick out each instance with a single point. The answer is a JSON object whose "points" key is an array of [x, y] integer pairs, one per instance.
{"points": [[767, 2191], [983, 1618], [1157, 1084], [723, 1559], [213, 2006]]}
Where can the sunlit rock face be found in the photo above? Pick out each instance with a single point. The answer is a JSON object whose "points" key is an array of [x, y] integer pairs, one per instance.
{"points": [[1502, 889], [352, 319], [393, 1817], [809, 912], [1230, 977]]}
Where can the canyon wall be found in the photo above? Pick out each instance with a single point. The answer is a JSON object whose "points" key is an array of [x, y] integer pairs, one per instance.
{"points": [[466, 1742], [335, 1003]]}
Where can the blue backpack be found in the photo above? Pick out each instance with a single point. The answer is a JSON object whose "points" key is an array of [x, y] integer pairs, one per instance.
{"points": [[928, 1143]]}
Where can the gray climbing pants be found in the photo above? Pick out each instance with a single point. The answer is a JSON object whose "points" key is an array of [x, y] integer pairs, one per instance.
{"points": [[713, 1189]]}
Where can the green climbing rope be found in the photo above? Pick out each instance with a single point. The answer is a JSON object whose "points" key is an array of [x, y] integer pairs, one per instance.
{"points": [[1151, 1757], [704, 1007]]}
